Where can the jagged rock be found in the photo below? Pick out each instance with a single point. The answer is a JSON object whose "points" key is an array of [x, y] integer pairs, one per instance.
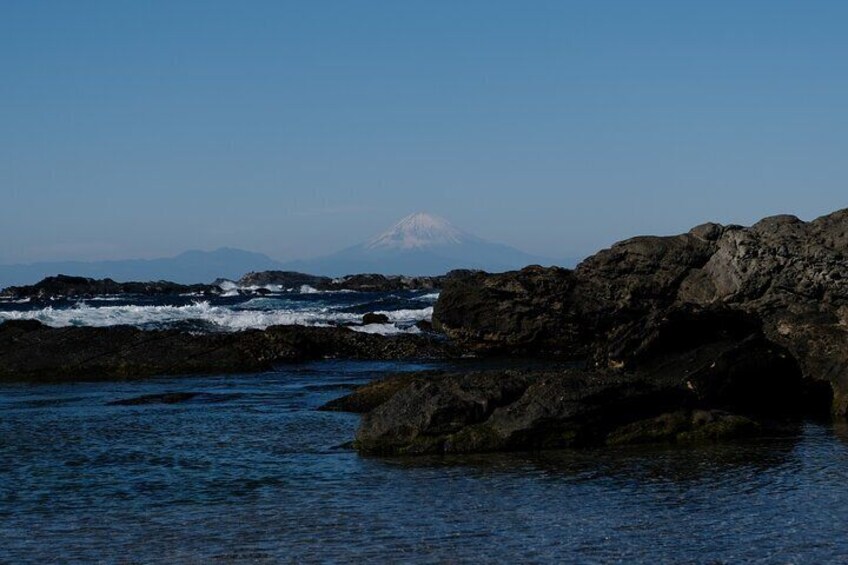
{"points": [[788, 276], [369, 396], [66, 286], [286, 279], [717, 389]]}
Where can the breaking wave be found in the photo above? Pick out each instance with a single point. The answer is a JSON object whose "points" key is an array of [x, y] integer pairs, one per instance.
{"points": [[255, 314]]}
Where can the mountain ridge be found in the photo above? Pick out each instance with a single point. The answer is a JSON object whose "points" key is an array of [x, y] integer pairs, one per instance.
{"points": [[420, 244], [417, 245]]}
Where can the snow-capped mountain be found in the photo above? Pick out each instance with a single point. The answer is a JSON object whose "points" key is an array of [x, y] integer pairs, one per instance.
{"points": [[419, 244], [418, 231]]}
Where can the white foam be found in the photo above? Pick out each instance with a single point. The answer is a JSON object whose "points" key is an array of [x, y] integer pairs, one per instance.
{"points": [[19, 301], [431, 297], [257, 313], [385, 329], [226, 285], [222, 317], [408, 315]]}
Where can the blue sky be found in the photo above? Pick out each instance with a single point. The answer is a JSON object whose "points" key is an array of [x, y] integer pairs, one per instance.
{"points": [[141, 129]]}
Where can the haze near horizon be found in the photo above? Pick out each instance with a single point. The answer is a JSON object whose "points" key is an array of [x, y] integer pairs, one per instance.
{"points": [[293, 129]]}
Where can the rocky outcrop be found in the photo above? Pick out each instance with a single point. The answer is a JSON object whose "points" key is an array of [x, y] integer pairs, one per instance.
{"points": [[369, 396], [374, 318], [30, 351], [286, 279], [726, 381], [783, 275], [359, 283], [64, 286], [82, 287]]}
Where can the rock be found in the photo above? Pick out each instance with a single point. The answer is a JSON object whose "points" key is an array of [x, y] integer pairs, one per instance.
{"points": [[372, 318], [784, 275], [66, 286], [685, 427], [519, 312], [724, 380], [175, 398], [369, 396], [424, 325], [286, 279], [30, 351], [165, 398]]}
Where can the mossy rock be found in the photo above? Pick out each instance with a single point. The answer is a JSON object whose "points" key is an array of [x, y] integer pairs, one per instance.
{"points": [[685, 427]]}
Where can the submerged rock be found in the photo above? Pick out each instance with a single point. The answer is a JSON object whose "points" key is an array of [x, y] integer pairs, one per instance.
{"points": [[164, 398]]}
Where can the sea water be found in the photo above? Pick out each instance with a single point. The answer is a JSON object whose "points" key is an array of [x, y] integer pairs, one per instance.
{"points": [[249, 470], [235, 310]]}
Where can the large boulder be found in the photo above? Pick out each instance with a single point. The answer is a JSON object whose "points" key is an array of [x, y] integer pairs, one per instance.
{"points": [[784, 275], [724, 380]]}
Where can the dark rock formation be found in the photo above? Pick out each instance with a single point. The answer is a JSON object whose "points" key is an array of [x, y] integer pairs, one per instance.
{"points": [[30, 351], [286, 279], [165, 398], [81, 287], [175, 398], [373, 318], [720, 388], [368, 397], [784, 275], [359, 283]]}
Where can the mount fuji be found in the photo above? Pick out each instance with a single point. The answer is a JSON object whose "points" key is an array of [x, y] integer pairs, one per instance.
{"points": [[419, 244]]}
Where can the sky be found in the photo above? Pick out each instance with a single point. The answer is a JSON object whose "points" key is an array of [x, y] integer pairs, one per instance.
{"points": [[142, 129]]}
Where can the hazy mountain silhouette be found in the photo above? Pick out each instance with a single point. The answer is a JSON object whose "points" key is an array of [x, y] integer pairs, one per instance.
{"points": [[420, 244], [188, 267]]}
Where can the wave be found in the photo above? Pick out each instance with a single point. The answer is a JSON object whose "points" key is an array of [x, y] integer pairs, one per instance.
{"points": [[218, 318], [385, 329], [16, 301], [408, 315]]}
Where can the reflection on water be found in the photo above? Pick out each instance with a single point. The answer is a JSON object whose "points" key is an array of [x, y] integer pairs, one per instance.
{"points": [[259, 475]]}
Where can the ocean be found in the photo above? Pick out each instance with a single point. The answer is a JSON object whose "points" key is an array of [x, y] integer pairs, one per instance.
{"points": [[237, 308], [248, 470]]}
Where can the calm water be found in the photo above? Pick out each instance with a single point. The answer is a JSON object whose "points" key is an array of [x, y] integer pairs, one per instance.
{"points": [[249, 471]]}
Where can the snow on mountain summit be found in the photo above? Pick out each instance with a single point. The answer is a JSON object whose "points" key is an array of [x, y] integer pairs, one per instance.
{"points": [[419, 244], [418, 231]]}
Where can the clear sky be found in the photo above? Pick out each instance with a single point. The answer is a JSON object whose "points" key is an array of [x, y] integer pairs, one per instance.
{"points": [[141, 129]]}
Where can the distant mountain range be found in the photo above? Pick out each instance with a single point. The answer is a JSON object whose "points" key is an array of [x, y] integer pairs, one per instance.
{"points": [[186, 268], [420, 244]]}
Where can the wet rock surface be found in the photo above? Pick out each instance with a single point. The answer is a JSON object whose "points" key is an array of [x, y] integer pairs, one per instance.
{"points": [[30, 351], [720, 389]]}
